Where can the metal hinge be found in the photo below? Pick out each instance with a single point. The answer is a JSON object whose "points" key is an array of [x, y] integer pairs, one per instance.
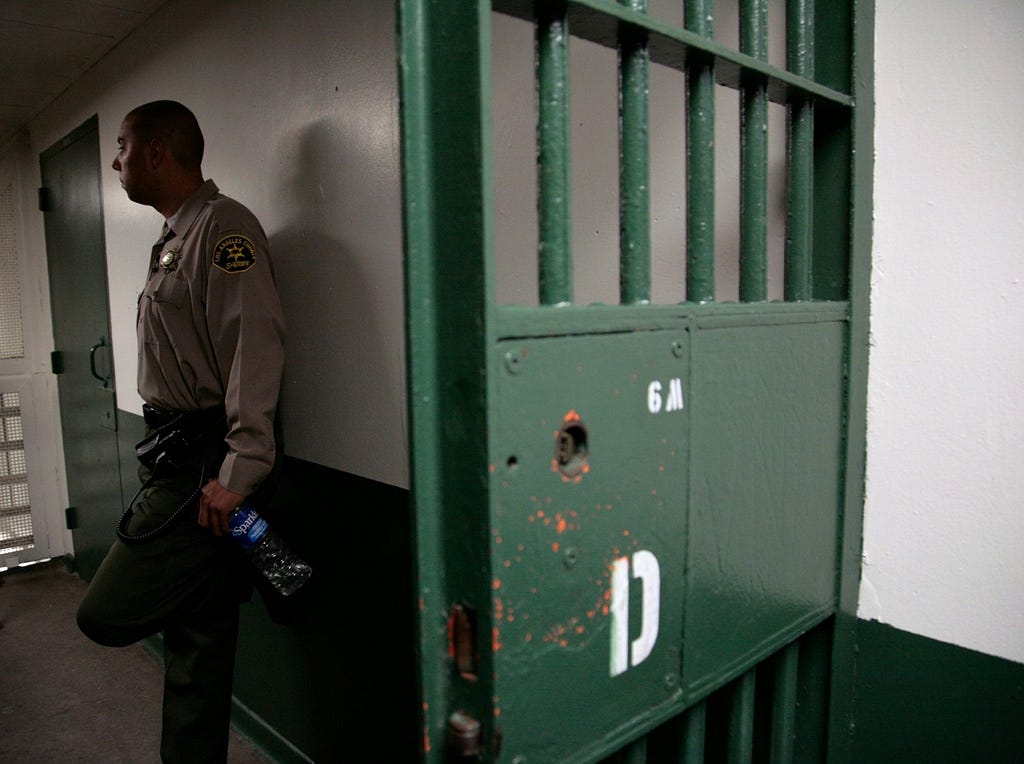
{"points": [[56, 362], [462, 640], [44, 199], [463, 736], [71, 518]]}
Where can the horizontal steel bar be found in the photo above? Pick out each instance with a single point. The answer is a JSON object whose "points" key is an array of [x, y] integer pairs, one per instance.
{"points": [[517, 321], [600, 20]]}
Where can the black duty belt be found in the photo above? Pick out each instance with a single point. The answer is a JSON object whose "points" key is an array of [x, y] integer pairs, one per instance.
{"points": [[157, 417], [172, 439]]}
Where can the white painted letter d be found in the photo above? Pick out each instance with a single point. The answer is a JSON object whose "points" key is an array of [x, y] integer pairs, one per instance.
{"points": [[646, 568]]}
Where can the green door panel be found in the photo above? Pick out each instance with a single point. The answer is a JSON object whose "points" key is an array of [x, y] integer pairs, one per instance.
{"points": [[76, 258], [766, 465], [588, 529]]}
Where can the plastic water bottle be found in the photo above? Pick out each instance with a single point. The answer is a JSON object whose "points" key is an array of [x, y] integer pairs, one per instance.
{"points": [[270, 554]]}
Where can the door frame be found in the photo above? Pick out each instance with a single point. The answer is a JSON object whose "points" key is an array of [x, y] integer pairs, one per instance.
{"points": [[447, 181], [30, 376], [87, 556]]}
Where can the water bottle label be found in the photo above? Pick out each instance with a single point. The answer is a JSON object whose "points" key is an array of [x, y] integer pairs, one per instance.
{"points": [[247, 527]]}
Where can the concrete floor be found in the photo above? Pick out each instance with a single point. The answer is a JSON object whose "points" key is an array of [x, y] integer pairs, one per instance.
{"points": [[65, 699]]}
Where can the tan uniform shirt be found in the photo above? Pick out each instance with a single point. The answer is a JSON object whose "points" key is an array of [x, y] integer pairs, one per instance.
{"points": [[211, 329]]}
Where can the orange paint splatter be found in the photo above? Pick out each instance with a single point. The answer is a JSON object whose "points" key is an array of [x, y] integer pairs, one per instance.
{"points": [[561, 525], [496, 584], [625, 533], [554, 547], [495, 640]]}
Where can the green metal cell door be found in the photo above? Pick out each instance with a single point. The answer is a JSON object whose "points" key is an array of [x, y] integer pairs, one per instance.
{"points": [[76, 257], [637, 525]]}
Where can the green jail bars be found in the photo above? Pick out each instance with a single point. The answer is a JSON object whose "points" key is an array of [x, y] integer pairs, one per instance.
{"points": [[637, 525]]}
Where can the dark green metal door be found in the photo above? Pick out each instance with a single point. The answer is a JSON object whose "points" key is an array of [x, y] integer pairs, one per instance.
{"points": [[76, 257], [637, 525]]}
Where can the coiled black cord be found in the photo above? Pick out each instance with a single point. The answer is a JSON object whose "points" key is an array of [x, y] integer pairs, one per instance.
{"points": [[122, 524]]}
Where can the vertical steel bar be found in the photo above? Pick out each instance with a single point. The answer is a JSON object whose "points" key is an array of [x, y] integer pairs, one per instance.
{"points": [[800, 140], [446, 186], [554, 183], [634, 753], [695, 723], [741, 720], [754, 158], [784, 705], [700, 162], [634, 171]]}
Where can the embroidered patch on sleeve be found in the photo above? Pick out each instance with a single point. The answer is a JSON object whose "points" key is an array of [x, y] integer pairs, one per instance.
{"points": [[234, 254]]}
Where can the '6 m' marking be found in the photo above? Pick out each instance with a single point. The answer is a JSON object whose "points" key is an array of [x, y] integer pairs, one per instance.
{"points": [[672, 401]]}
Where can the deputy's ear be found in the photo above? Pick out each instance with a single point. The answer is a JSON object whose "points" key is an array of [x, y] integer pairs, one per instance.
{"points": [[156, 152]]}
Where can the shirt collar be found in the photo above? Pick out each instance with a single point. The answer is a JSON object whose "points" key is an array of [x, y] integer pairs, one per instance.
{"points": [[187, 213]]}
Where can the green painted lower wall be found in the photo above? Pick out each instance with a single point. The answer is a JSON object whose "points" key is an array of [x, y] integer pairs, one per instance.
{"points": [[919, 700], [343, 669]]}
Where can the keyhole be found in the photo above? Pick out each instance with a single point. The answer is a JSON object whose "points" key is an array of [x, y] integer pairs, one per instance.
{"points": [[571, 449]]}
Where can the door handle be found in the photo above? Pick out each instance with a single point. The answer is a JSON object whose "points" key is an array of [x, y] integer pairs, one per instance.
{"points": [[92, 361]]}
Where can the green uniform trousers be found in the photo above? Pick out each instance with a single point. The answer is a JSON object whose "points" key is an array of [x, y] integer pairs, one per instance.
{"points": [[186, 583]]}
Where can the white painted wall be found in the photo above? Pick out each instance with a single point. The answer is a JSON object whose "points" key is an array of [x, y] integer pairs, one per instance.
{"points": [[944, 520], [299, 110]]}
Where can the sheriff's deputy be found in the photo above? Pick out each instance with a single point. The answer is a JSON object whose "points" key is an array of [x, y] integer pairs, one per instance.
{"points": [[210, 334]]}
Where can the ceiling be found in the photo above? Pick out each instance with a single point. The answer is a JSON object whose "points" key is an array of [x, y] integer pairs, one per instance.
{"points": [[45, 45]]}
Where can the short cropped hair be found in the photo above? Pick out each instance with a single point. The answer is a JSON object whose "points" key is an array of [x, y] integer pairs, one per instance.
{"points": [[175, 125]]}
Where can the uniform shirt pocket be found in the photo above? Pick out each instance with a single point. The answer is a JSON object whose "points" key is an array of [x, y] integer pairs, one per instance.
{"points": [[166, 289]]}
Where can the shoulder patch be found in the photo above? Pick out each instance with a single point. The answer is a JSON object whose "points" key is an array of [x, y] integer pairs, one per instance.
{"points": [[234, 253]]}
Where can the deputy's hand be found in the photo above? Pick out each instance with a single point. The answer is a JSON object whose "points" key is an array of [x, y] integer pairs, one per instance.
{"points": [[215, 506]]}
